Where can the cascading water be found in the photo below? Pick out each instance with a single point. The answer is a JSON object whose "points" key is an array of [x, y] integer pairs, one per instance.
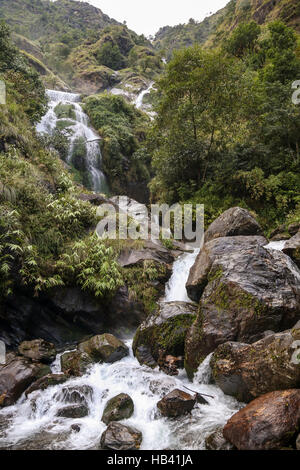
{"points": [[35, 417], [79, 129], [140, 98], [175, 289]]}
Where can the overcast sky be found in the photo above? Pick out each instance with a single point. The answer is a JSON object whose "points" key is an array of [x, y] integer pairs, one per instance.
{"points": [[147, 16]]}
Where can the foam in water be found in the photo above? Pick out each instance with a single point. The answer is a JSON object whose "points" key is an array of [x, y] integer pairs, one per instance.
{"points": [[79, 129], [175, 289], [145, 386]]}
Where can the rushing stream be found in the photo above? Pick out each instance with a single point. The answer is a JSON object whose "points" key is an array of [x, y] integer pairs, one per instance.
{"points": [[35, 417], [78, 128]]}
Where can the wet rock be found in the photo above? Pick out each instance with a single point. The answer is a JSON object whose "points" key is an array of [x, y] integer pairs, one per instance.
{"points": [[270, 422], [164, 331], [118, 408], [76, 427], [73, 411], [280, 236], [65, 316], [38, 350], [16, 376], [46, 381], [244, 290], [233, 222], [120, 437], [144, 356], [249, 371], [75, 363], [78, 394], [176, 403], [43, 440], [104, 348], [169, 364], [292, 248], [294, 228], [216, 441]]}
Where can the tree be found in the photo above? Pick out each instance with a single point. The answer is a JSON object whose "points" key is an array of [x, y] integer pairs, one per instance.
{"points": [[201, 104], [243, 39], [110, 56]]}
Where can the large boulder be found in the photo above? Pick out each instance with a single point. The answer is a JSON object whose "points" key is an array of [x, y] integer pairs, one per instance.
{"points": [[292, 248], [75, 363], [233, 222], [46, 381], [16, 376], [118, 408], [38, 350], [120, 437], [104, 348], [270, 422], [165, 331], [249, 371], [244, 290], [150, 251], [176, 403]]}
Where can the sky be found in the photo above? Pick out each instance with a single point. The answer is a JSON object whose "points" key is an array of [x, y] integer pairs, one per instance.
{"points": [[147, 16]]}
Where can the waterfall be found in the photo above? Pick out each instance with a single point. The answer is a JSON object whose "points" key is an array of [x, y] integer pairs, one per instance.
{"points": [[175, 289], [140, 98], [79, 127]]}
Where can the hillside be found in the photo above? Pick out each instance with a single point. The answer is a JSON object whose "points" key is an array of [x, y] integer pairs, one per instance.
{"points": [[75, 45], [216, 27]]}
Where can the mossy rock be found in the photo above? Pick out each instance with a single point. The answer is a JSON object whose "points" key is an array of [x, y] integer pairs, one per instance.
{"points": [[118, 408], [104, 348], [63, 124], [165, 330], [75, 363]]}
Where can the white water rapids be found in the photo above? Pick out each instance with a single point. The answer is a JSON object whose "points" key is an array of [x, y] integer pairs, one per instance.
{"points": [[36, 415], [79, 128]]}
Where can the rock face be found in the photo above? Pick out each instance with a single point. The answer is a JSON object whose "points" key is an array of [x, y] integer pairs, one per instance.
{"points": [[233, 222], [47, 381], [66, 316], [244, 290], [164, 331], [120, 437], [38, 350], [151, 251], [118, 408], [268, 423], [249, 371], [16, 376], [73, 411], [216, 441], [104, 348], [75, 363], [292, 248], [176, 403]]}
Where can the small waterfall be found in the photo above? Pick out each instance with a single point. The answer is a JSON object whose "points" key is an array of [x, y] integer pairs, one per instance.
{"points": [[79, 129], [278, 246], [140, 97], [175, 289]]}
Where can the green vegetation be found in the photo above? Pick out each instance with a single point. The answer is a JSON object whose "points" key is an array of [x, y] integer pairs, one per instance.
{"points": [[122, 127], [44, 227], [227, 132]]}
